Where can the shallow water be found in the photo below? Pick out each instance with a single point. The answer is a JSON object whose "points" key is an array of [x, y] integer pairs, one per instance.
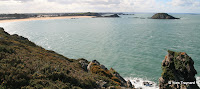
{"points": [[132, 46]]}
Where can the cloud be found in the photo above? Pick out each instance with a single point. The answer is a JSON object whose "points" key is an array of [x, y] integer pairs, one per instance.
{"points": [[23, 0], [185, 3], [40, 6], [102, 2], [18, 0], [64, 1], [91, 2]]}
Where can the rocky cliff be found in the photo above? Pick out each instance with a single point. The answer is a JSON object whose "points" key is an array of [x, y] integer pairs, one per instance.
{"points": [[162, 16], [24, 64], [178, 72]]}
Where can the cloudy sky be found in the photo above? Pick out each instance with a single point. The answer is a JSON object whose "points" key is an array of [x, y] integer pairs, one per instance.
{"points": [[40, 6]]}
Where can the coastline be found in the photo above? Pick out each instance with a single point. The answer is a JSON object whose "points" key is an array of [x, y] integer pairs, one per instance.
{"points": [[44, 18]]}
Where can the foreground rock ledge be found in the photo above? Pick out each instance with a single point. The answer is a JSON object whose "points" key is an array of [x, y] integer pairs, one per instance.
{"points": [[163, 16], [177, 69], [26, 65]]}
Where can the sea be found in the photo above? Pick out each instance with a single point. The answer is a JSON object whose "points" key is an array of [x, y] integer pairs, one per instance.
{"points": [[133, 45]]}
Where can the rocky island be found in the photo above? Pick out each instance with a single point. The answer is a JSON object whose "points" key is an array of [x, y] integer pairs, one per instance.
{"points": [[178, 72], [163, 16], [23, 64]]}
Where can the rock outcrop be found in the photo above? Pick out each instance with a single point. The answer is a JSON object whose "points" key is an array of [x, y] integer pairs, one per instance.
{"points": [[84, 63], [163, 16], [178, 72], [97, 68]]}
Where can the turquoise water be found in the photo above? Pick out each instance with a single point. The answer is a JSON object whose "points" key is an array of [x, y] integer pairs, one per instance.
{"points": [[134, 47]]}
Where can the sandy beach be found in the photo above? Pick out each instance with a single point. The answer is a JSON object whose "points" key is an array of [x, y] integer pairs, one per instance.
{"points": [[44, 18]]}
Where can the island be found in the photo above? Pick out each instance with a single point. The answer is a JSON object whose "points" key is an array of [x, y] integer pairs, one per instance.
{"points": [[163, 16]]}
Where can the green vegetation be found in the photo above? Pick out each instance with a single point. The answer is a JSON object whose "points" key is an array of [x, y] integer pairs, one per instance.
{"points": [[26, 65], [167, 74]]}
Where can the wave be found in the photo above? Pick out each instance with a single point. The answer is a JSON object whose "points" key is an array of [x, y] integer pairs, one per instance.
{"points": [[198, 81], [140, 83]]}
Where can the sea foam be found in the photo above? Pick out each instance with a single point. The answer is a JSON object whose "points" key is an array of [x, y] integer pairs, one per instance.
{"points": [[198, 81], [139, 83]]}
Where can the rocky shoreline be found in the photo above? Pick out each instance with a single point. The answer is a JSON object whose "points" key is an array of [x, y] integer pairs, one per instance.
{"points": [[27, 65], [23, 64]]}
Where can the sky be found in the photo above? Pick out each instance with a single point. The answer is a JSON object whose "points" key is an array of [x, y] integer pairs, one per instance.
{"points": [[63, 6]]}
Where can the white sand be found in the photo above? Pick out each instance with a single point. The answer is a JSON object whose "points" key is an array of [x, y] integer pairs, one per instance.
{"points": [[44, 18]]}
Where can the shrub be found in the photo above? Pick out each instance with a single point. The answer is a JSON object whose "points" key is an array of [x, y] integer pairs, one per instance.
{"points": [[6, 49]]}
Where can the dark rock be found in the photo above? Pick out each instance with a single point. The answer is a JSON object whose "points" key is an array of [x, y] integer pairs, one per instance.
{"points": [[84, 63], [129, 84], [103, 67], [95, 61], [163, 16], [177, 67], [116, 74], [149, 84]]}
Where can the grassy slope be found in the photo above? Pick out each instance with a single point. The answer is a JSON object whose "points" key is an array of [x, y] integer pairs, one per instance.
{"points": [[26, 65]]}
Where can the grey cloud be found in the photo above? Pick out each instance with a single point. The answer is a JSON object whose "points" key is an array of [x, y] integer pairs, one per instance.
{"points": [[18, 0], [65, 1], [23, 0], [99, 2], [94, 2], [184, 3]]}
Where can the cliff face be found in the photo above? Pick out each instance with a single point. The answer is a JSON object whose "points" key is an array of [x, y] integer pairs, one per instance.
{"points": [[23, 64], [163, 16], [178, 72]]}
